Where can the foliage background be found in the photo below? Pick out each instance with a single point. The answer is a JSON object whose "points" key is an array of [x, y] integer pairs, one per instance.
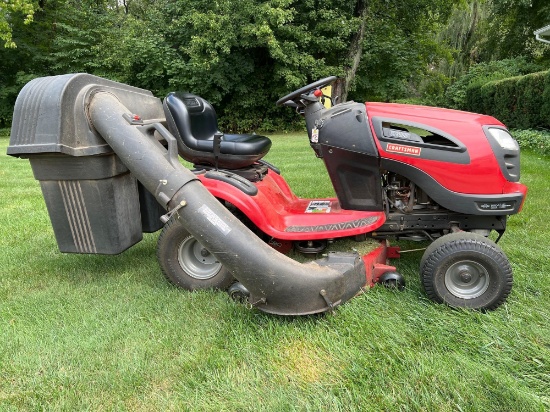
{"points": [[244, 55], [536, 141]]}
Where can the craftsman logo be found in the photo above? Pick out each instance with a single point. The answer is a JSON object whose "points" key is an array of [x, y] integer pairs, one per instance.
{"points": [[399, 148]]}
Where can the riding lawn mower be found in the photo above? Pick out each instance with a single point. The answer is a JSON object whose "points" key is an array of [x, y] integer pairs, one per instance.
{"points": [[107, 156]]}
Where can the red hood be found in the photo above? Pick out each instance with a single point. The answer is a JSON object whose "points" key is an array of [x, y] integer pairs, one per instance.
{"points": [[427, 114], [464, 126]]}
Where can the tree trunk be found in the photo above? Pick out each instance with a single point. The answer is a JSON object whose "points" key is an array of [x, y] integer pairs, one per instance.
{"points": [[341, 86]]}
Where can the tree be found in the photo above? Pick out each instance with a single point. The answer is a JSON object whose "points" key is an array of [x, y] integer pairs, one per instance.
{"points": [[490, 40], [508, 30], [355, 52], [11, 10], [399, 48], [462, 33], [241, 55]]}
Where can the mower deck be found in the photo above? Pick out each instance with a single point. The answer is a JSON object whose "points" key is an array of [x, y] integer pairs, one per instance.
{"points": [[374, 253]]}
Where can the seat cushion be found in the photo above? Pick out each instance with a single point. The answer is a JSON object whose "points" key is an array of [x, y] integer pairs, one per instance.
{"points": [[244, 144]]}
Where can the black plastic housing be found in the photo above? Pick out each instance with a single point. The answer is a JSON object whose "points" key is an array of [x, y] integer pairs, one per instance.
{"points": [[91, 197], [347, 147], [355, 177]]}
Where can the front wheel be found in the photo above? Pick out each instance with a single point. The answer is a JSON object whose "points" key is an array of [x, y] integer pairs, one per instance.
{"points": [[186, 263], [466, 270]]}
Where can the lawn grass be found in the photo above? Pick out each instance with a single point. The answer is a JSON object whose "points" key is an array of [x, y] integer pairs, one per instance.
{"points": [[85, 332]]}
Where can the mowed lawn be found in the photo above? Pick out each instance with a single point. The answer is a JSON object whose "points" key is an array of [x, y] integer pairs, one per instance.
{"points": [[108, 333]]}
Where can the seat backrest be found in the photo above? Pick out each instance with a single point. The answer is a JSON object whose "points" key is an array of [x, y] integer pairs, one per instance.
{"points": [[192, 117], [193, 122]]}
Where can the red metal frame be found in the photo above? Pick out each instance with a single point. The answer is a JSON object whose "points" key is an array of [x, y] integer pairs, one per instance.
{"points": [[376, 262], [279, 213]]}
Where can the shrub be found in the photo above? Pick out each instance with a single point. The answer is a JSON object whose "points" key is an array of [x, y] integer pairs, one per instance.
{"points": [[535, 140]]}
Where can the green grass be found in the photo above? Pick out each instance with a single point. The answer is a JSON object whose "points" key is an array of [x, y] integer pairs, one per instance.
{"points": [[305, 173], [84, 332]]}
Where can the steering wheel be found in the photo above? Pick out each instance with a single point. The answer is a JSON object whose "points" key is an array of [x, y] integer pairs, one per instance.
{"points": [[319, 84]]}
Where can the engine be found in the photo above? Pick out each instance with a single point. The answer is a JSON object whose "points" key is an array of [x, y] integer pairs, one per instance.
{"points": [[404, 196], [411, 214]]}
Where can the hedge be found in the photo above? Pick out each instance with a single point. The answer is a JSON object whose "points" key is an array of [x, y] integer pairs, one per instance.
{"points": [[520, 102]]}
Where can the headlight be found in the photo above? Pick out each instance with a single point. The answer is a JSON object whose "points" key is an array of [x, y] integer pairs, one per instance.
{"points": [[504, 139], [506, 150]]}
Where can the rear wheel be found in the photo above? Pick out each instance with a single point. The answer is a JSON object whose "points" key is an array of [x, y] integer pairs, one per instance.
{"points": [[466, 270], [186, 263]]}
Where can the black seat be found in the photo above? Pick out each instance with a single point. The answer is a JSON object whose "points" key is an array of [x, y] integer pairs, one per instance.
{"points": [[193, 121]]}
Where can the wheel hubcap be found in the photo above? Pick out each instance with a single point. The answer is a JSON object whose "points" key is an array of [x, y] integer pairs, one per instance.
{"points": [[198, 262], [467, 279]]}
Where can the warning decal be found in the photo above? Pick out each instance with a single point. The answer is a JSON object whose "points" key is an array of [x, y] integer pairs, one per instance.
{"points": [[318, 206], [399, 148], [315, 135], [214, 219]]}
